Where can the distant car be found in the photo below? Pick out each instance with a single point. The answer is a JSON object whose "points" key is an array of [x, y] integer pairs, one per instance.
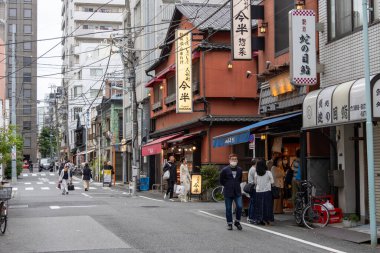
{"points": [[46, 164]]}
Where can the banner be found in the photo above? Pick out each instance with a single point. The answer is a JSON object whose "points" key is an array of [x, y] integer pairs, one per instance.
{"points": [[241, 31], [302, 39], [184, 91]]}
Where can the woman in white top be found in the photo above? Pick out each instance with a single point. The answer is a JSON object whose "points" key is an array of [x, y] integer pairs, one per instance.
{"points": [[185, 180], [264, 203], [278, 176]]}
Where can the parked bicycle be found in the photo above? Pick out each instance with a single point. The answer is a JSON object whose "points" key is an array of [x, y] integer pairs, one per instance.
{"points": [[5, 195], [217, 194], [309, 210]]}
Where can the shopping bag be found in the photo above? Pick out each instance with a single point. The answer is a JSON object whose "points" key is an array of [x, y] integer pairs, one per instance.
{"points": [[59, 185], [275, 192], [70, 187], [180, 189], [166, 175]]}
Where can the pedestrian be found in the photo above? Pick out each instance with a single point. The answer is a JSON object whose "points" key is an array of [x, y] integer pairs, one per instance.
{"points": [[263, 213], [30, 166], [287, 182], [65, 178], [170, 165], [296, 167], [110, 167], [278, 176], [86, 177], [252, 195], [231, 178], [185, 180], [62, 165]]}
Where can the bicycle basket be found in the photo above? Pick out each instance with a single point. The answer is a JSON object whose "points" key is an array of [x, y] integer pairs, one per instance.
{"points": [[5, 193]]}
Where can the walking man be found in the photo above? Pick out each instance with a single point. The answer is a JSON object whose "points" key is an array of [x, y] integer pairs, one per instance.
{"points": [[230, 178], [86, 177], [170, 165]]}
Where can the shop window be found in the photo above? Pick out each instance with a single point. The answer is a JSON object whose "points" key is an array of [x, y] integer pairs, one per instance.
{"points": [[345, 16], [281, 25]]}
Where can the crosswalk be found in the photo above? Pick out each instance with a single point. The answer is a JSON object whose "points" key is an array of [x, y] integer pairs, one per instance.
{"points": [[49, 185]]}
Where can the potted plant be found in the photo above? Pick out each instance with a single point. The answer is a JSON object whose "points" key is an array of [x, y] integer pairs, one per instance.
{"points": [[210, 179], [354, 220], [346, 222]]}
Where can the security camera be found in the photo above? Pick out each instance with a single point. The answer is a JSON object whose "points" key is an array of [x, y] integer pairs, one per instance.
{"points": [[248, 74], [267, 64]]}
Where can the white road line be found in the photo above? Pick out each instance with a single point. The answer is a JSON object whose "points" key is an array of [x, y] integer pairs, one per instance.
{"points": [[34, 175], [25, 175], [28, 183], [77, 188], [106, 188], [45, 188], [316, 245], [51, 182], [14, 189], [160, 200], [92, 188], [88, 196], [40, 183], [52, 174], [60, 207], [43, 174], [29, 189]]}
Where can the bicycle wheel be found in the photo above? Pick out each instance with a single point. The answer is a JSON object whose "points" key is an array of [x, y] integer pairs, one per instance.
{"points": [[315, 216], [298, 212], [3, 224], [217, 194]]}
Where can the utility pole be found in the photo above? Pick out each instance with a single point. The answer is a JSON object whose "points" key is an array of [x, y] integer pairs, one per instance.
{"points": [[86, 132], [14, 123]]}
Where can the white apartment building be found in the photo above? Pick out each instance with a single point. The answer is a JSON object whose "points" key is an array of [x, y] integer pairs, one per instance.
{"points": [[88, 25]]}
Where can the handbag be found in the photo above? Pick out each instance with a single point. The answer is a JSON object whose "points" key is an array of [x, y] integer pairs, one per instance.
{"points": [[166, 175], [70, 187], [180, 189], [59, 185], [249, 188], [275, 192]]}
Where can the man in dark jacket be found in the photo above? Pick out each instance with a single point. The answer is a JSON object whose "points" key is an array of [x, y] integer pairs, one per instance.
{"points": [[230, 178], [86, 177], [170, 165]]}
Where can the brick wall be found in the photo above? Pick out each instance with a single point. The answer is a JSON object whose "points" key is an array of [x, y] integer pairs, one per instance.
{"points": [[344, 58]]}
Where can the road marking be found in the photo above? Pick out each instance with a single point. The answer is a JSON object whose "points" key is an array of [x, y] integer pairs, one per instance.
{"points": [[45, 188], [92, 188], [77, 188], [106, 188], [14, 189], [18, 206], [40, 183], [43, 174], [34, 175], [76, 182], [88, 196], [25, 175], [51, 182], [316, 245], [29, 189], [160, 200], [52, 174], [60, 207], [28, 183]]}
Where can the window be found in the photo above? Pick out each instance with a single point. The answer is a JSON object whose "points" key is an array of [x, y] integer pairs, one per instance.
{"points": [[12, 13], [27, 29], [10, 28], [27, 93], [77, 110], [77, 91], [157, 93], [94, 93], [27, 110], [96, 72], [27, 78], [27, 61], [27, 142], [27, 1], [171, 85], [27, 13], [27, 46], [345, 16], [27, 125], [88, 9], [281, 25], [85, 26], [195, 77]]}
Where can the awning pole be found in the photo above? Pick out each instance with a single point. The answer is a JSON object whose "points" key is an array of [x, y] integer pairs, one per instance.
{"points": [[369, 128]]}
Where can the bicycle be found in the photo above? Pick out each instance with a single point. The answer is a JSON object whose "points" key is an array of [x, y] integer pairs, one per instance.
{"points": [[217, 194], [309, 210], [5, 195]]}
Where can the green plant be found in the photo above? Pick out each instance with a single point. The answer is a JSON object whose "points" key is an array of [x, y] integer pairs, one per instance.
{"points": [[354, 218], [210, 176]]}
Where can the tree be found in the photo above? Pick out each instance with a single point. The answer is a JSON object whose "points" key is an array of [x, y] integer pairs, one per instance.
{"points": [[7, 140], [46, 142]]}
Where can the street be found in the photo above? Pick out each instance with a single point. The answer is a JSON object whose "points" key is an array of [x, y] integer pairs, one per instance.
{"points": [[110, 220]]}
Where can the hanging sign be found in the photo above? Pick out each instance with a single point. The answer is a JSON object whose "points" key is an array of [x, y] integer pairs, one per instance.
{"points": [[302, 39], [241, 31], [183, 62]]}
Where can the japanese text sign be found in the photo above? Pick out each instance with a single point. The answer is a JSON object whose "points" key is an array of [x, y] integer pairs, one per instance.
{"points": [[196, 184], [376, 100], [241, 29], [302, 39], [184, 72]]}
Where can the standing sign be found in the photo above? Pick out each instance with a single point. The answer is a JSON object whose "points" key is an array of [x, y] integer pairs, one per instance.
{"points": [[107, 175], [241, 31], [183, 62], [196, 184], [303, 61]]}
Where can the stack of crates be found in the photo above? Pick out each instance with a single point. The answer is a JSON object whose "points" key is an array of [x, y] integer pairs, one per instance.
{"points": [[144, 184], [336, 215]]}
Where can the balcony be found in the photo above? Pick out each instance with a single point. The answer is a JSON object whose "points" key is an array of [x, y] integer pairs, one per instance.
{"points": [[170, 100], [93, 33], [157, 106], [112, 3], [97, 17]]}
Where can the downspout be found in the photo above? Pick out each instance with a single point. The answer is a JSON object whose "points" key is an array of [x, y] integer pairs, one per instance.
{"points": [[208, 105]]}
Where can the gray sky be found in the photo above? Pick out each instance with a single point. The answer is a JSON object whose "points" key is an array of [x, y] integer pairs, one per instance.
{"points": [[49, 25]]}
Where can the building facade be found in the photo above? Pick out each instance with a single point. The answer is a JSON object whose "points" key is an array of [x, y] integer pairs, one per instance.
{"points": [[24, 15], [87, 60]]}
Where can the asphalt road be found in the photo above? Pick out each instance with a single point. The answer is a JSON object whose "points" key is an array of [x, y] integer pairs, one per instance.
{"points": [[110, 220]]}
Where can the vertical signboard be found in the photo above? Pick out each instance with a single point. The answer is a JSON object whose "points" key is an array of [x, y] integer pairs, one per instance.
{"points": [[302, 39], [376, 100], [196, 184], [183, 62], [241, 29]]}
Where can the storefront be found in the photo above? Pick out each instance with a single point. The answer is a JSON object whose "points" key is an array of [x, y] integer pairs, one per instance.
{"points": [[341, 110]]}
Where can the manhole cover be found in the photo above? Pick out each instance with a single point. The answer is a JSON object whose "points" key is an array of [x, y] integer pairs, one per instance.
{"points": [[150, 206]]}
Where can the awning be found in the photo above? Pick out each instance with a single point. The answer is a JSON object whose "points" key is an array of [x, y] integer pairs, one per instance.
{"points": [[184, 137], [154, 147], [242, 135], [339, 104]]}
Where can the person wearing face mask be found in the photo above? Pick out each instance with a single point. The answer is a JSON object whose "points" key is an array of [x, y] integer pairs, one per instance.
{"points": [[231, 178]]}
